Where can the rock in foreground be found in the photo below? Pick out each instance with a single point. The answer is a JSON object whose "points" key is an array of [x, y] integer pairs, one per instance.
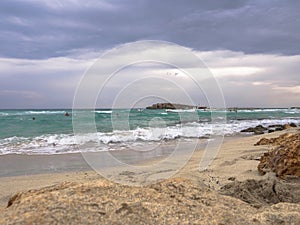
{"points": [[284, 159], [264, 192], [173, 201]]}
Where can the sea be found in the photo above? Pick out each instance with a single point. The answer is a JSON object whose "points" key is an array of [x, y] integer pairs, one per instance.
{"points": [[48, 132]]}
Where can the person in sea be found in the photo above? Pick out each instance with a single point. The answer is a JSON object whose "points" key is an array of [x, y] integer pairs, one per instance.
{"points": [[67, 114]]}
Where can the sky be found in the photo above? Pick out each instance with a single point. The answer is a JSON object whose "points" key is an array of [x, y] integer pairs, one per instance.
{"points": [[250, 46]]}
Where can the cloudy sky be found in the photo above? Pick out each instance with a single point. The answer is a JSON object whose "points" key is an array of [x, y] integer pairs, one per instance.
{"points": [[251, 47]]}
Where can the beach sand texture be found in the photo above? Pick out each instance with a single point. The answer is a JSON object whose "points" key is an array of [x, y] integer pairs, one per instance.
{"points": [[230, 191]]}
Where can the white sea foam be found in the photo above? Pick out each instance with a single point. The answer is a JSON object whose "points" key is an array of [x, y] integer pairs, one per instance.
{"points": [[270, 110], [118, 139], [103, 112], [292, 111], [180, 110], [43, 112], [24, 113], [3, 114]]}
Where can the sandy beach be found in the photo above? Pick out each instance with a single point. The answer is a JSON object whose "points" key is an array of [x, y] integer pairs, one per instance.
{"points": [[236, 162]]}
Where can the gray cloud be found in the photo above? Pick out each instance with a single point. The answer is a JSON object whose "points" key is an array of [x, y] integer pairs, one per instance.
{"points": [[39, 83], [43, 29], [251, 46], [246, 80]]}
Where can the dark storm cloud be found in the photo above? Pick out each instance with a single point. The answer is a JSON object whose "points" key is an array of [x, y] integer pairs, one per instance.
{"points": [[43, 29]]}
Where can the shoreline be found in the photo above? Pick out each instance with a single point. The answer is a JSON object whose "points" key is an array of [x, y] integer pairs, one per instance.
{"points": [[25, 172], [31, 164], [15, 165], [12, 165], [236, 161]]}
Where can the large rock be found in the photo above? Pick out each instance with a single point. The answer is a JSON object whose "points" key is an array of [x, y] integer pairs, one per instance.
{"points": [[284, 159], [293, 125], [264, 192], [175, 201], [287, 126], [256, 130]]}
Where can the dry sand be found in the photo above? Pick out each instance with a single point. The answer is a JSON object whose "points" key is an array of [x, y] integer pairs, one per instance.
{"points": [[14, 184], [237, 160]]}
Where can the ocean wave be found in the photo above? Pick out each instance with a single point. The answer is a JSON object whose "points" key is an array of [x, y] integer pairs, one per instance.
{"points": [[67, 143], [100, 141], [25, 113], [180, 110], [259, 110], [104, 112], [293, 111], [43, 112], [4, 114], [269, 110]]}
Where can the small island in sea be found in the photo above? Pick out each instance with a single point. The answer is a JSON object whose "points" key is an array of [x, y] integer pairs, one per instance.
{"points": [[174, 106]]}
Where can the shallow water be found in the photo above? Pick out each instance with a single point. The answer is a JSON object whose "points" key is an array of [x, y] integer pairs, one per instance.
{"points": [[51, 132]]}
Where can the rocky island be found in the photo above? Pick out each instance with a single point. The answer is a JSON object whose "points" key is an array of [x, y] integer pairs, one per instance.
{"points": [[174, 106]]}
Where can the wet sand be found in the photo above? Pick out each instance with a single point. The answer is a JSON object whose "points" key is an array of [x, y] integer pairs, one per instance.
{"points": [[24, 165]]}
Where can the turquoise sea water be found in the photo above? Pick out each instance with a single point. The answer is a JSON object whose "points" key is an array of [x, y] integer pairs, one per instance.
{"points": [[51, 132]]}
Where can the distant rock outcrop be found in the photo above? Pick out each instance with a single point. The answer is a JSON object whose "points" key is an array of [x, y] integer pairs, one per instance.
{"points": [[173, 106]]}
